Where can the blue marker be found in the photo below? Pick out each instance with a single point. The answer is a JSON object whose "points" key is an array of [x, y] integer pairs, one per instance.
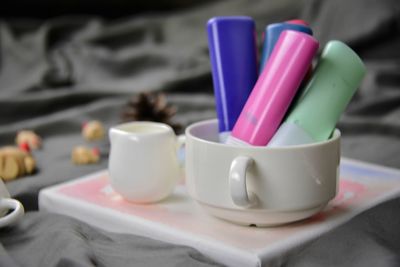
{"points": [[233, 54], [272, 33]]}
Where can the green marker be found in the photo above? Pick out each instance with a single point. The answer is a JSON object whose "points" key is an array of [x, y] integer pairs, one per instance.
{"points": [[313, 117]]}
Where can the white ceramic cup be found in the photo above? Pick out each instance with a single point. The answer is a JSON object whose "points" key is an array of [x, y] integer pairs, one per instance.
{"points": [[7, 204], [259, 185], [143, 163]]}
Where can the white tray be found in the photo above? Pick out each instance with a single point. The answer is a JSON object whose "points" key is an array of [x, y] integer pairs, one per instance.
{"points": [[180, 220]]}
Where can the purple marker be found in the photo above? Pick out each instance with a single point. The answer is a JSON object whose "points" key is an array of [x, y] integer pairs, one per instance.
{"points": [[233, 54], [275, 89]]}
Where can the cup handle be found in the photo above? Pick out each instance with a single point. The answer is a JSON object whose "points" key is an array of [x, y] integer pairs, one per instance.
{"points": [[237, 182], [11, 204]]}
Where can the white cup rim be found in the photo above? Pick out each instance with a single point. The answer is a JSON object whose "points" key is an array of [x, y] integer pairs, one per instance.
{"points": [[163, 128], [336, 135]]}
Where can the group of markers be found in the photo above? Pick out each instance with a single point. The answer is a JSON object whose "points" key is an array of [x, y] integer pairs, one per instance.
{"points": [[284, 101]]}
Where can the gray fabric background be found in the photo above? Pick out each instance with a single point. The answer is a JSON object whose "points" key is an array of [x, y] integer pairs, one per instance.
{"points": [[57, 73]]}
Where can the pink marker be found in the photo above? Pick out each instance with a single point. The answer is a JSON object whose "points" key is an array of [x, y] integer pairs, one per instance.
{"points": [[274, 89]]}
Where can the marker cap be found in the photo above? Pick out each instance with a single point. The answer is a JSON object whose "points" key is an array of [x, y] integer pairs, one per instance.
{"points": [[297, 21], [233, 55], [275, 88], [272, 33], [336, 77], [346, 62]]}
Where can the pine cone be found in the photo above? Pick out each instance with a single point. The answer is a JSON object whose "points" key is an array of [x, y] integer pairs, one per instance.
{"points": [[147, 106]]}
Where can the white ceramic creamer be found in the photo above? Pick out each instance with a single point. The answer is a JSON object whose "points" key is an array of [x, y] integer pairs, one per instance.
{"points": [[143, 163]]}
